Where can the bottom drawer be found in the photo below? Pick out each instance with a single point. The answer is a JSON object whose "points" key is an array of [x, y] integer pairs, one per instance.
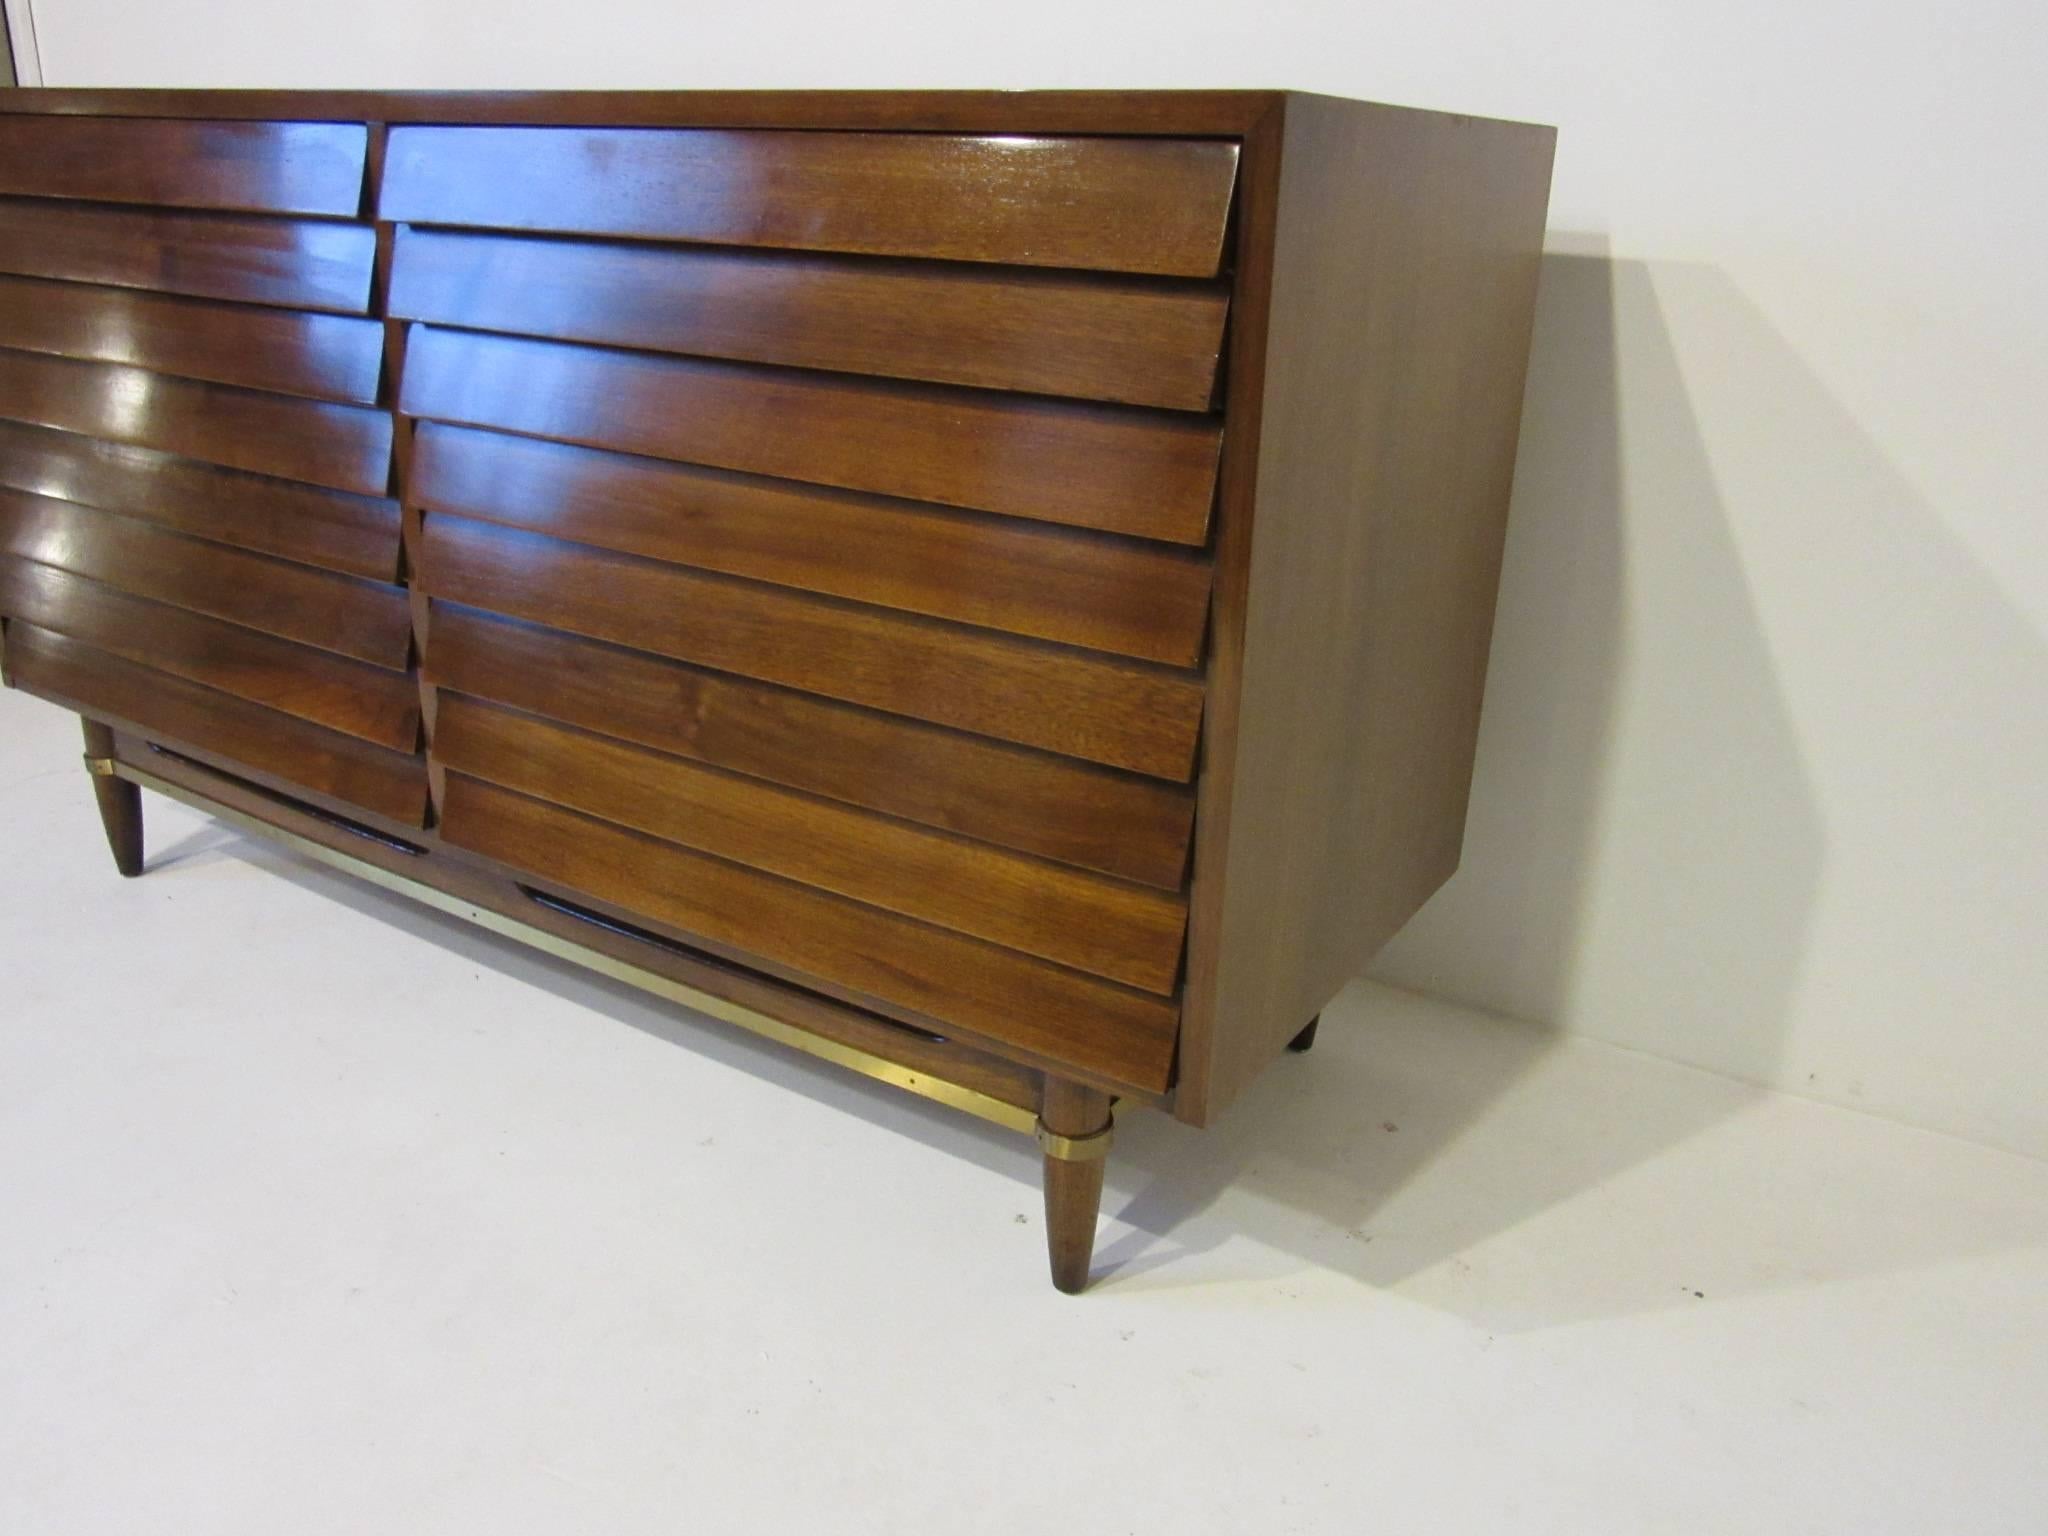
{"points": [[158, 705], [1057, 1015]]}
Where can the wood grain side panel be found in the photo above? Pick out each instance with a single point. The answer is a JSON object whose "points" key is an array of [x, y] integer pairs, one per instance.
{"points": [[178, 712], [1148, 474], [1122, 713], [360, 619], [344, 447], [347, 696], [1126, 205], [331, 529], [1030, 801], [291, 262], [1129, 341], [1121, 1035], [312, 168], [323, 357], [1405, 249], [1124, 932], [1078, 588]]}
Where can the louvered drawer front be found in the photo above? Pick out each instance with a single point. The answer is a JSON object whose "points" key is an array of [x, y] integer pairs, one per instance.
{"points": [[816, 532], [195, 535]]}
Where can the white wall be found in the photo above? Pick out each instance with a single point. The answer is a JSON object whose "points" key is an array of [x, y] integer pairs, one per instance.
{"points": [[1764, 760]]}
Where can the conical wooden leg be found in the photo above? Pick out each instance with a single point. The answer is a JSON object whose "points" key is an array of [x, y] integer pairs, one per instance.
{"points": [[120, 801], [1307, 1037], [1074, 1133]]}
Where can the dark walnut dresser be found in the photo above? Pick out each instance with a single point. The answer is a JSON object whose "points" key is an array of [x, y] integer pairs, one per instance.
{"points": [[990, 589]]}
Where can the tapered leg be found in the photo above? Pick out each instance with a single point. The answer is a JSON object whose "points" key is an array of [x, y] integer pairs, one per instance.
{"points": [[1307, 1037], [1074, 1133], [120, 801]]}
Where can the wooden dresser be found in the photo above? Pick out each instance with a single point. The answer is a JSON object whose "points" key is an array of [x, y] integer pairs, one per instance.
{"points": [[991, 589]]}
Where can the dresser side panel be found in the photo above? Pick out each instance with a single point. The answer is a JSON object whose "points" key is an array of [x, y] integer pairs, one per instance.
{"points": [[1404, 258]]}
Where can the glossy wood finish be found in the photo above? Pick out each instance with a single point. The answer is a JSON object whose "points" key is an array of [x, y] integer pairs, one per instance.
{"points": [[336, 531], [344, 447], [1133, 342], [174, 711], [1123, 932], [325, 357], [120, 802], [1384, 332], [1059, 809], [1108, 594], [1073, 1186], [343, 695], [1149, 474], [1121, 1035], [334, 613], [1126, 205], [1121, 713], [305, 264], [252, 167], [1224, 114]]}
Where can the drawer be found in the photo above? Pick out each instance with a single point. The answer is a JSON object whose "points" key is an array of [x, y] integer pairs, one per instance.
{"points": [[1034, 802], [1145, 474], [1112, 204], [1090, 1025], [311, 168], [1116, 595], [1077, 918], [356, 535], [1090, 336], [1098, 708], [178, 713], [363, 620]]}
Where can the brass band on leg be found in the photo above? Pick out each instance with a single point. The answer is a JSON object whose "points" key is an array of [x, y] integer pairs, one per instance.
{"points": [[101, 767], [1092, 1148]]}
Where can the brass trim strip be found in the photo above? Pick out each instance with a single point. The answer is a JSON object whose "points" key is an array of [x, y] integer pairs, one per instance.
{"points": [[102, 767], [970, 1100], [1092, 1148]]}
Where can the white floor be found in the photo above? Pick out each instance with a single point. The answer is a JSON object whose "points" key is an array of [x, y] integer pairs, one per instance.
{"points": [[320, 1213]]}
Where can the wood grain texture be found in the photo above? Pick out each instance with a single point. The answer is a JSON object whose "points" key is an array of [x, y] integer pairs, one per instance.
{"points": [[1148, 474], [252, 167], [1030, 801], [1073, 1186], [1125, 714], [1123, 932], [120, 802], [343, 447], [323, 357], [347, 696], [331, 529], [1108, 1031], [176, 712], [1125, 205], [1130, 341], [1079, 588], [353, 618], [1396, 311], [1182, 113], [296, 262]]}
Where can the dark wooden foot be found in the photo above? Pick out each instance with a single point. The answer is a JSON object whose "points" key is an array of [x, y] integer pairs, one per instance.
{"points": [[1306, 1038], [120, 801], [1074, 1132]]}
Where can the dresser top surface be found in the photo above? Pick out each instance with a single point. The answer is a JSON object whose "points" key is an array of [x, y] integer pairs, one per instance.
{"points": [[1179, 112]]}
